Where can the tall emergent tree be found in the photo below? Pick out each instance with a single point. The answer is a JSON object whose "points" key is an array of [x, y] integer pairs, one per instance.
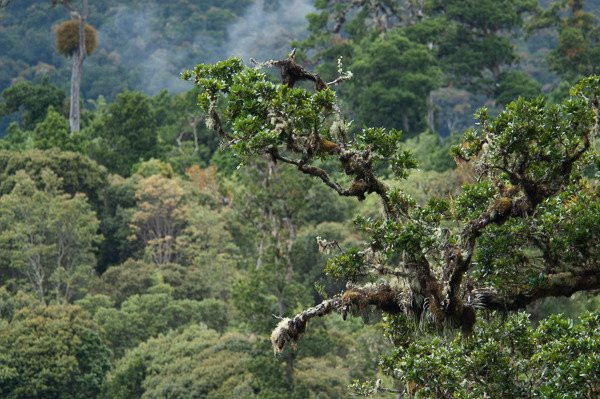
{"points": [[75, 39], [528, 229]]}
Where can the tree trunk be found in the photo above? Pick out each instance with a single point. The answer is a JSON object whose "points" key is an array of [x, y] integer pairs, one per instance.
{"points": [[405, 122], [78, 57], [430, 112], [74, 112]]}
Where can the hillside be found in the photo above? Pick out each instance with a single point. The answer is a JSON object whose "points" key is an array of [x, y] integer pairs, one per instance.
{"points": [[406, 205], [144, 45]]}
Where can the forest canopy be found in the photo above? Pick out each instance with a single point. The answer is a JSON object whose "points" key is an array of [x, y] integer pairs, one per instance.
{"points": [[388, 198]]}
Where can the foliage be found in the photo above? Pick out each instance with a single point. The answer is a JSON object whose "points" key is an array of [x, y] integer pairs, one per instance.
{"points": [[193, 362], [454, 45], [31, 101], [470, 37], [53, 351], [432, 152], [123, 281], [147, 315], [308, 259], [67, 38], [183, 136], [578, 38], [400, 75], [159, 216], [77, 173], [53, 132], [134, 277], [512, 85], [115, 129], [48, 237], [322, 375], [117, 198], [505, 359]]}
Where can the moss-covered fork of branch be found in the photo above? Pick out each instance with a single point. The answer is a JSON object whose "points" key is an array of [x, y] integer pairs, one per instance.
{"points": [[496, 246]]}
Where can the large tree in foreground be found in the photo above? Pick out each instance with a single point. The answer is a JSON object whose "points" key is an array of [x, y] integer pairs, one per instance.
{"points": [[527, 229]]}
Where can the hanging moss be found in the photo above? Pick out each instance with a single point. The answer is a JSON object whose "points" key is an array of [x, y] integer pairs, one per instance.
{"points": [[67, 38]]}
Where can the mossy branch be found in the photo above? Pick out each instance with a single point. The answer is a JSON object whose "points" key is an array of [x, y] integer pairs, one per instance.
{"points": [[553, 285], [383, 297]]}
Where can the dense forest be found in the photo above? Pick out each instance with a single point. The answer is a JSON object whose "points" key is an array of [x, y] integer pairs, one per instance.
{"points": [[299, 199]]}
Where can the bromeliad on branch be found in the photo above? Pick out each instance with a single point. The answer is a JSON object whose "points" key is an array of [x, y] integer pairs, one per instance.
{"points": [[527, 229]]}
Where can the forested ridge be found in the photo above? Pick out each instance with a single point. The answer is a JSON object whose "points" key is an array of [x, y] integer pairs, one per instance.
{"points": [[299, 199]]}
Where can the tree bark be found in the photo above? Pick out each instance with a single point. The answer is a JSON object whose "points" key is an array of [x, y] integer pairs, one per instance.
{"points": [[430, 112], [76, 71], [74, 111], [405, 122]]}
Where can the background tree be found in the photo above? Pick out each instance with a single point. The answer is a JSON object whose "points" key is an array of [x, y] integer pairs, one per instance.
{"points": [[470, 38], [53, 132], [578, 38], [114, 129], [400, 74], [184, 138], [48, 237], [159, 216], [137, 318], [76, 172], [210, 367], [31, 101], [75, 39], [53, 351]]}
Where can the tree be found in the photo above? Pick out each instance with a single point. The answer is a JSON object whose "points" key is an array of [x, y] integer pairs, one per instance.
{"points": [[53, 132], [31, 101], [77, 40], [155, 312], [193, 362], [117, 199], [401, 74], [116, 129], [380, 14], [370, 37], [466, 40], [471, 38], [578, 38], [512, 85], [337, 23], [48, 237], [125, 280], [438, 262], [183, 136], [508, 359], [51, 352], [77, 173], [159, 216]]}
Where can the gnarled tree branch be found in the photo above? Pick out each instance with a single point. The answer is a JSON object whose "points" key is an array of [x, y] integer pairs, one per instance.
{"points": [[553, 285], [381, 296]]}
